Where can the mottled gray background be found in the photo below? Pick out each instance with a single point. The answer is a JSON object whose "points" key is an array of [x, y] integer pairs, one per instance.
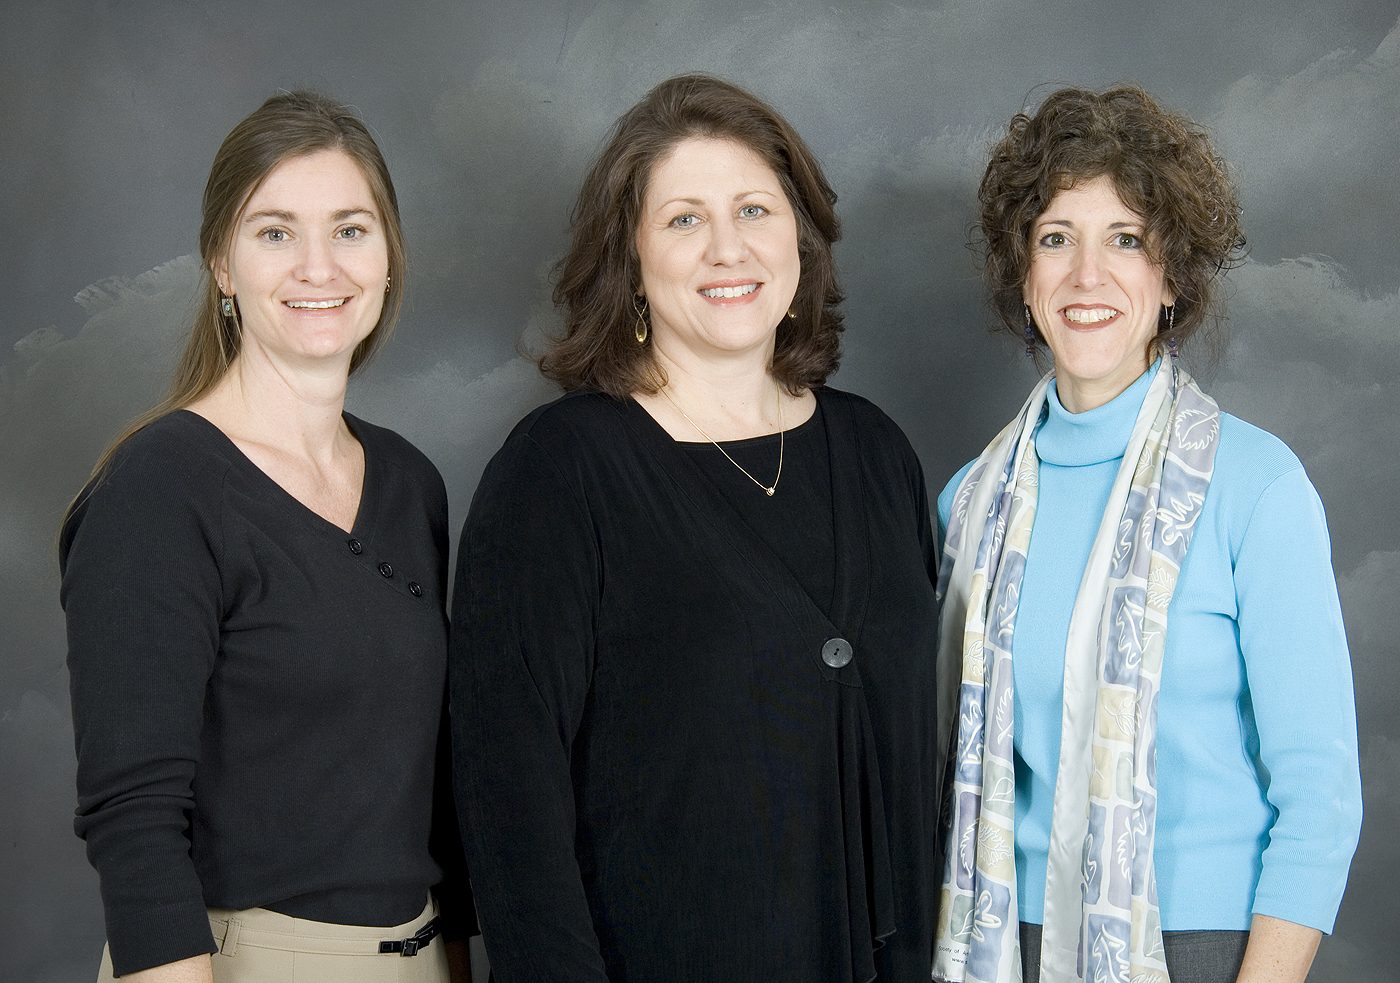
{"points": [[111, 112]]}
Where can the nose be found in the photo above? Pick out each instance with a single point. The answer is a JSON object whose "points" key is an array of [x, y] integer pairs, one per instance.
{"points": [[316, 263], [727, 246], [1088, 267]]}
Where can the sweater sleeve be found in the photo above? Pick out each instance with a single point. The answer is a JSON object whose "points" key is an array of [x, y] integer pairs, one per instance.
{"points": [[524, 610], [1299, 674], [141, 594]]}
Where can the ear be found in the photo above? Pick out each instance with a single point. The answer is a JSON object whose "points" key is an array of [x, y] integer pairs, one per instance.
{"points": [[1168, 298], [218, 268]]}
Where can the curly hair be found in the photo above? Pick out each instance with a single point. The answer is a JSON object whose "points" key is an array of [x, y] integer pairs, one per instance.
{"points": [[598, 279], [1163, 168]]}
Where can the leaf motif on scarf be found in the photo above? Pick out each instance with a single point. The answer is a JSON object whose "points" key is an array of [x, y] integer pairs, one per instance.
{"points": [[1126, 714], [967, 848], [976, 656], [1196, 429], [1128, 616], [1109, 956], [962, 498], [1160, 586], [984, 916], [1006, 615], [966, 929], [970, 751], [1139, 821], [1005, 723], [1123, 545], [1124, 853], [992, 843], [1178, 517]]}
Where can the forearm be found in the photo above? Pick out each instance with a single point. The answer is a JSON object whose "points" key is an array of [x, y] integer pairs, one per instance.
{"points": [[1278, 951], [196, 969], [459, 961]]}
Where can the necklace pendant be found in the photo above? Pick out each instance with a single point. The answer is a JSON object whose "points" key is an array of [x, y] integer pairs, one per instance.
{"points": [[770, 491]]}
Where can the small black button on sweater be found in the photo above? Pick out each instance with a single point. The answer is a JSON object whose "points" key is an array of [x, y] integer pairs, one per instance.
{"points": [[257, 694]]}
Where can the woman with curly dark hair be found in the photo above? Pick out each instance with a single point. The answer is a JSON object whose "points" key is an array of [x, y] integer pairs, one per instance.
{"points": [[1154, 767], [694, 629]]}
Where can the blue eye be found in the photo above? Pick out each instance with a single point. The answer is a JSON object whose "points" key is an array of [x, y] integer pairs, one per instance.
{"points": [[274, 235], [350, 232], [753, 211], [686, 221]]}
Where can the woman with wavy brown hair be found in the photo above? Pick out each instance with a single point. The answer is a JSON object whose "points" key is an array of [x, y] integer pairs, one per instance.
{"points": [[254, 583], [694, 624], [1154, 767]]}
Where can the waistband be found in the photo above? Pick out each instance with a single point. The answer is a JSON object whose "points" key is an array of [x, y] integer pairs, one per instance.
{"points": [[263, 929]]}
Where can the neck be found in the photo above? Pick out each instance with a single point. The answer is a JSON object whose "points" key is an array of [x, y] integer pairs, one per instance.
{"points": [[1082, 395], [296, 410], [730, 400]]}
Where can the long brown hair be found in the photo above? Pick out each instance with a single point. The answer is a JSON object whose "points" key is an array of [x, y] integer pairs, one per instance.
{"points": [[599, 278], [1163, 168], [292, 124]]}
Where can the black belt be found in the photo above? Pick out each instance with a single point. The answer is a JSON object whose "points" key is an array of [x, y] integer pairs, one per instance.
{"points": [[410, 947]]}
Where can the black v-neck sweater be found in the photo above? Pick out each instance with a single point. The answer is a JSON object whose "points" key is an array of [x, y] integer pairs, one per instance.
{"points": [[257, 694], [665, 766]]}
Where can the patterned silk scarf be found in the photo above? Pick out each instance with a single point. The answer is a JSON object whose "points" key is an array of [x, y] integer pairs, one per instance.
{"points": [[1101, 918]]}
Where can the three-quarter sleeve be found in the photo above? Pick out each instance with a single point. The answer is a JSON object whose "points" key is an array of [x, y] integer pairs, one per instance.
{"points": [[1300, 691], [142, 594], [520, 660]]}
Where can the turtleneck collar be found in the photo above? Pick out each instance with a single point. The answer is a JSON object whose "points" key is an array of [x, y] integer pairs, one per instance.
{"points": [[1078, 439]]}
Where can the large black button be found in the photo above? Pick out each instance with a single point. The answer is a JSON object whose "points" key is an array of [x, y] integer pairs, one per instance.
{"points": [[837, 652], [415, 589], [355, 547], [386, 570]]}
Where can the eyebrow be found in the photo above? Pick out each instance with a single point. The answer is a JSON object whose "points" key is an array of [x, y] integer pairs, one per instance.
{"points": [[1069, 225], [280, 215], [700, 201]]}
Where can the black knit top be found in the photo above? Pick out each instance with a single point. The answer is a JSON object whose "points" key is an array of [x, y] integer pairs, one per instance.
{"points": [[694, 725], [257, 694]]}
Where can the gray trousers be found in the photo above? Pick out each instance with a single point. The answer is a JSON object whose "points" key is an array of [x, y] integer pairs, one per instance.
{"points": [[1192, 957]]}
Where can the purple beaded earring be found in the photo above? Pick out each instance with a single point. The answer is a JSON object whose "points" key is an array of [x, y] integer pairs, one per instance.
{"points": [[1030, 333], [1171, 346]]}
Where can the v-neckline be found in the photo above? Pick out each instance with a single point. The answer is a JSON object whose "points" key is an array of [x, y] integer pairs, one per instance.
{"points": [[364, 512], [849, 517]]}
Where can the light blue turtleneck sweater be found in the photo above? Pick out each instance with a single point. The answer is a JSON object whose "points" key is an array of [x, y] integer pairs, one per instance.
{"points": [[1259, 788]]}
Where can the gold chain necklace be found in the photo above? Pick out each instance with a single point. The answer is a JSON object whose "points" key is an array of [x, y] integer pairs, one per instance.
{"points": [[781, 436]]}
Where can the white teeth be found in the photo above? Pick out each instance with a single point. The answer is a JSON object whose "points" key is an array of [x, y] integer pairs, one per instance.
{"points": [[717, 292], [1089, 317], [315, 305]]}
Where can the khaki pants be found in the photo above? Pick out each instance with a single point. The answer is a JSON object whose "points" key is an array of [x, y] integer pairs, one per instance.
{"points": [[243, 961]]}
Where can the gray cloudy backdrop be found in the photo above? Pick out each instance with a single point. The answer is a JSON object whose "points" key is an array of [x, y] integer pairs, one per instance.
{"points": [[488, 112]]}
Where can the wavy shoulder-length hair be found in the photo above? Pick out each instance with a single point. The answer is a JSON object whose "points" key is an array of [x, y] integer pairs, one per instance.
{"points": [[1163, 168], [288, 125], [598, 280]]}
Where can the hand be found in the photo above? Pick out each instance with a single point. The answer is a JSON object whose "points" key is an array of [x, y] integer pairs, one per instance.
{"points": [[459, 962], [195, 969], [1278, 951]]}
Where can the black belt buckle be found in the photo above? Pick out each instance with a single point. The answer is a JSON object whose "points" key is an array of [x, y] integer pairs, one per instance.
{"points": [[410, 947]]}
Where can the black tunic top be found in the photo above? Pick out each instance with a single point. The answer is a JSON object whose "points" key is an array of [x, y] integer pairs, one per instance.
{"points": [[257, 694], [659, 774]]}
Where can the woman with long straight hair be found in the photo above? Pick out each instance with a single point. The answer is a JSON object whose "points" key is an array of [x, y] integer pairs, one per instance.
{"points": [[253, 582]]}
